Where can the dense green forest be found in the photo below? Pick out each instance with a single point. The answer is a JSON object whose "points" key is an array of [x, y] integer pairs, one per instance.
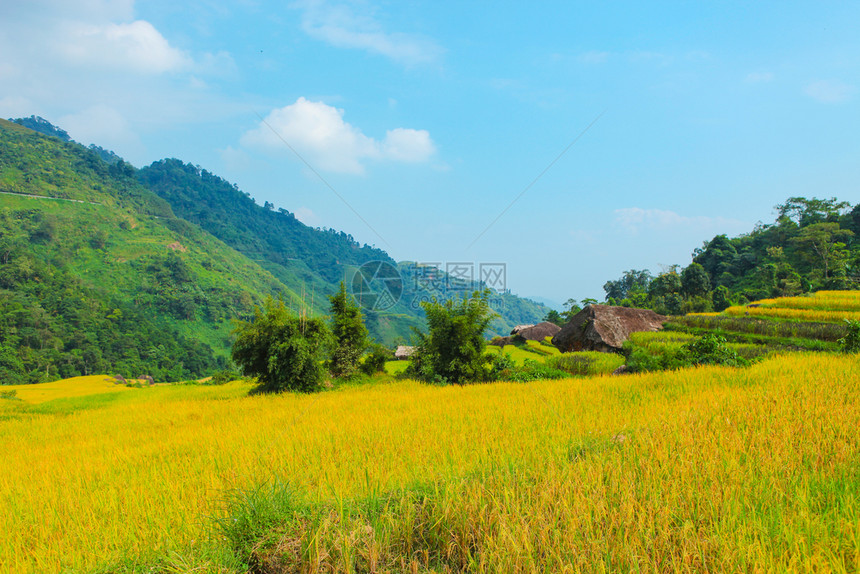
{"points": [[814, 244], [100, 276], [113, 269], [309, 260]]}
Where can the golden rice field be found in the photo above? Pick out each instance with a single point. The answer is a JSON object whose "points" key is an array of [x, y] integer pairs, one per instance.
{"points": [[821, 300], [794, 314], [823, 306], [699, 470]]}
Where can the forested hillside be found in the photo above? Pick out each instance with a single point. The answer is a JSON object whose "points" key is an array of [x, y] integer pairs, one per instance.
{"points": [[106, 268], [98, 275], [814, 244], [307, 259]]}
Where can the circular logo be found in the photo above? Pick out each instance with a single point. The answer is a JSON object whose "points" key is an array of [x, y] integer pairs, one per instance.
{"points": [[377, 285]]}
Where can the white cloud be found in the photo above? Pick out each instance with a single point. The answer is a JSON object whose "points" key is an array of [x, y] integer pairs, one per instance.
{"points": [[759, 77], [101, 125], [78, 62], [636, 219], [408, 145], [54, 40], [137, 46], [235, 159], [16, 106], [307, 216], [34, 11], [829, 92], [344, 25], [319, 133]]}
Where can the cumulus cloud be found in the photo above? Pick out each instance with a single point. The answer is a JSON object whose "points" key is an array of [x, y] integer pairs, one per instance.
{"points": [[99, 124], [636, 219], [319, 133], [38, 10], [407, 145], [343, 25], [829, 92], [137, 46], [307, 216], [102, 73], [90, 35], [14, 106]]}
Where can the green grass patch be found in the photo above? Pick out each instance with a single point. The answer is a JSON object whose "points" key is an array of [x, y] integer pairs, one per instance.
{"points": [[395, 367], [586, 363]]}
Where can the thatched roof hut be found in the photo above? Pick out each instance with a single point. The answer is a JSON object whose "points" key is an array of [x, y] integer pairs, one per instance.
{"points": [[403, 352]]}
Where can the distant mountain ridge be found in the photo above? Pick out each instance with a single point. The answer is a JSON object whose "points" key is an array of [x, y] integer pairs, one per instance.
{"points": [[142, 271], [303, 257]]}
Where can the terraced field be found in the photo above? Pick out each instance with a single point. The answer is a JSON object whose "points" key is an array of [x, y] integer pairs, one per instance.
{"points": [[814, 322]]}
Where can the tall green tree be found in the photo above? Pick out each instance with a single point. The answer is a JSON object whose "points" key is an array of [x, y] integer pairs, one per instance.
{"points": [[695, 281], [803, 211], [348, 333], [284, 351], [665, 284], [452, 350], [554, 317], [823, 246], [571, 308], [631, 282]]}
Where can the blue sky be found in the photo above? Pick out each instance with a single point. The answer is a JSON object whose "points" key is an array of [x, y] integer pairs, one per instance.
{"points": [[430, 118]]}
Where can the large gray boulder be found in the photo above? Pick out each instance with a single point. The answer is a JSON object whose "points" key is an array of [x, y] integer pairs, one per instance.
{"points": [[605, 328], [537, 332]]}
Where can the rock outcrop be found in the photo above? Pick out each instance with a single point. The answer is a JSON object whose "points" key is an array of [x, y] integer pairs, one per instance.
{"points": [[537, 332], [501, 341], [605, 328]]}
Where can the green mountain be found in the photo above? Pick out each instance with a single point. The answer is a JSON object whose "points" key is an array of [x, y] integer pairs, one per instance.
{"points": [[312, 260], [97, 274], [105, 268]]}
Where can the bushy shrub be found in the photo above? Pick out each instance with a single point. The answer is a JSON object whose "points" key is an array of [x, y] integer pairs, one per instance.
{"points": [[712, 350], [224, 377], [452, 350], [375, 361], [640, 359], [532, 370], [284, 351], [709, 349], [850, 343], [501, 364]]}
